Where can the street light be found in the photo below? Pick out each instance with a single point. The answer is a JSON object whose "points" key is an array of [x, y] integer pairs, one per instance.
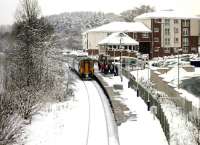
{"points": [[120, 57], [137, 72], [121, 35], [178, 85]]}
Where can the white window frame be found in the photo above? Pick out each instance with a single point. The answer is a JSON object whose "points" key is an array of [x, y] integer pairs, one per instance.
{"points": [[156, 39], [157, 20], [167, 22], [176, 40], [176, 21], [156, 49], [145, 35], [167, 41], [167, 31], [167, 49], [185, 49], [186, 23], [175, 30], [185, 32], [156, 29], [186, 42]]}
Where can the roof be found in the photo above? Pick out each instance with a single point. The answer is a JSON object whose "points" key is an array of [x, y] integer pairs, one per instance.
{"points": [[166, 14], [121, 27], [114, 39]]}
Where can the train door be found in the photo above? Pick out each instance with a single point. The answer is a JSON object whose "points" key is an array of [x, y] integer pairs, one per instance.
{"points": [[86, 68]]}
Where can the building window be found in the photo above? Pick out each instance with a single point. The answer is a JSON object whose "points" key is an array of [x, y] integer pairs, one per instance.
{"points": [[185, 49], [186, 23], [175, 30], [109, 33], [157, 20], [176, 40], [167, 31], [167, 41], [194, 49], [175, 21], [167, 50], [167, 22], [156, 49], [156, 39], [145, 35], [185, 31], [176, 50], [199, 41], [185, 42], [156, 29]]}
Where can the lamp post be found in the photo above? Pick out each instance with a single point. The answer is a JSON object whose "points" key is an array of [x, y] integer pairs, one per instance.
{"points": [[178, 85], [120, 57], [137, 71]]}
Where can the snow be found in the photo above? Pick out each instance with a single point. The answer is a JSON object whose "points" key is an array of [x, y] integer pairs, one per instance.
{"points": [[61, 123], [146, 129], [181, 130], [85, 119], [166, 14], [114, 39], [172, 78], [122, 27]]}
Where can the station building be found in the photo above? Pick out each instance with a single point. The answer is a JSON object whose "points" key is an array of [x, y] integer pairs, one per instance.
{"points": [[91, 38]]}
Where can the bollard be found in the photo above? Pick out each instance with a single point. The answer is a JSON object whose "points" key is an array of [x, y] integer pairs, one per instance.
{"points": [[138, 93], [148, 105], [129, 83]]}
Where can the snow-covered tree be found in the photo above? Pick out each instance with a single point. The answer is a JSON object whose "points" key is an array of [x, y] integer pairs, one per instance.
{"points": [[129, 15]]}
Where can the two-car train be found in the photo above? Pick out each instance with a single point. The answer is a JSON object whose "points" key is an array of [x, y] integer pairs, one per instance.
{"points": [[83, 66]]}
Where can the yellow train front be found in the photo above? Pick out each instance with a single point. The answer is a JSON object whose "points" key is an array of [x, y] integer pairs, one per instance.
{"points": [[84, 66]]}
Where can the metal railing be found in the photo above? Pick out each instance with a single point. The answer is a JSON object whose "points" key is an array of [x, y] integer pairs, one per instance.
{"points": [[145, 95]]}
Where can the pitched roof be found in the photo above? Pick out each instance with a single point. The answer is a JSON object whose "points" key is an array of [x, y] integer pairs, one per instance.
{"points": [[115, 38], [121, 27], [166, 14]]}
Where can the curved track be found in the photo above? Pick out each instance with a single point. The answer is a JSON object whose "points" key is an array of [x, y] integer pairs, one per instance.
{"points": [[101, 121]]}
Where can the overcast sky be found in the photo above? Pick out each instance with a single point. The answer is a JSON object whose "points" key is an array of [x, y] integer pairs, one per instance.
{"points": [[8, 7]]}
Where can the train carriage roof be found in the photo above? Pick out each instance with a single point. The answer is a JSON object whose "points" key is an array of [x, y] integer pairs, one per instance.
{"points": [[83, 58]]}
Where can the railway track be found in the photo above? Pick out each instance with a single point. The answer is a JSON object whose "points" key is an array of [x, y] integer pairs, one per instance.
{"points": [[101, 121]]}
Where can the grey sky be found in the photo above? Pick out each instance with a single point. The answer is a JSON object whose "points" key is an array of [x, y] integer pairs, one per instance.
{"points": [[7, 7]]}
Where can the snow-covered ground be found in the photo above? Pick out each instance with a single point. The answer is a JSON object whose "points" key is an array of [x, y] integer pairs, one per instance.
{"points": [[85, 119], [61, 123], [182, 132], [145, 129], [172, 75]]}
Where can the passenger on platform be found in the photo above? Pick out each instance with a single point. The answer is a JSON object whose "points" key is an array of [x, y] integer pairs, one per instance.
{"points": [[116, 70]]}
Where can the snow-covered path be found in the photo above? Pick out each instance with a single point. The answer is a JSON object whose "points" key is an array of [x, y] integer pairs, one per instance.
{"points": [[84, 120], [142, 130]]}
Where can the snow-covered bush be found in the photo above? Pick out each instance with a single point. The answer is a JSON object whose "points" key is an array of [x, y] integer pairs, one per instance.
{"points": [[10, 121]]}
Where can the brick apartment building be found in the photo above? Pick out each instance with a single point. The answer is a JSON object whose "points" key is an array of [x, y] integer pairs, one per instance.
{"points": [[159, 34], [172, 32]]}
